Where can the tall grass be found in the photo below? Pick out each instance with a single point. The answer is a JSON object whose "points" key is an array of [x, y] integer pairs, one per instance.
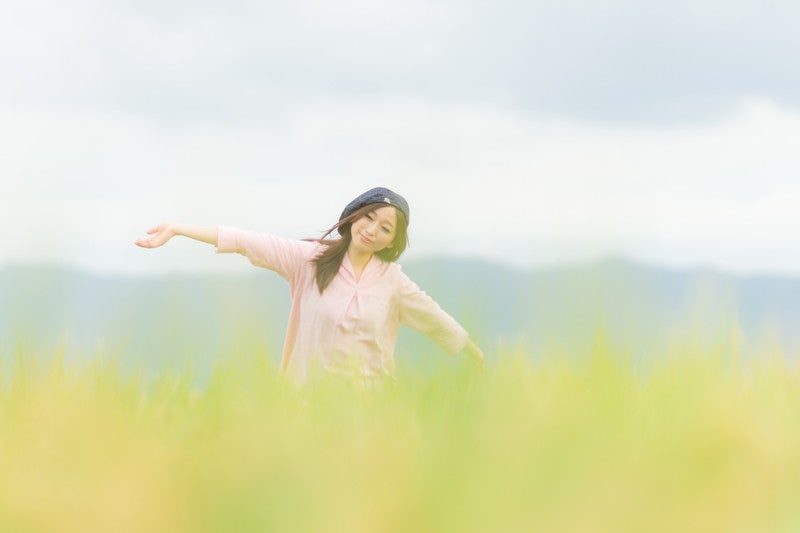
{"points": [[699, 441]]}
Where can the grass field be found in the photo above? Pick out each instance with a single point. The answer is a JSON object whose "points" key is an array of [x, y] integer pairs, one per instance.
{"points": [[702, 440]]}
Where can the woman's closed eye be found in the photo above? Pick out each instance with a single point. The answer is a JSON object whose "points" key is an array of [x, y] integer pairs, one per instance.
{"points": [[387, 230]]}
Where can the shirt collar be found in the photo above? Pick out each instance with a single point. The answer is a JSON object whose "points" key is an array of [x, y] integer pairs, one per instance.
{"points": [[372, 265]]}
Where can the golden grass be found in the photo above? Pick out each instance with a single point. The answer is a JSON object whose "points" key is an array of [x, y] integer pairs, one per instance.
{"points": [[699, 441]]}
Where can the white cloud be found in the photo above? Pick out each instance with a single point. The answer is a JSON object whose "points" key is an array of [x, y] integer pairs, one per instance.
{"points": [[624, 62], [481, 180]]}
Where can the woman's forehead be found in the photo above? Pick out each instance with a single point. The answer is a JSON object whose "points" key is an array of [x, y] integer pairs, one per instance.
{"points": [[388, 213]]}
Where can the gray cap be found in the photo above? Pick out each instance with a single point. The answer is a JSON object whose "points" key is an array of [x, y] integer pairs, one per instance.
{"points": [[378, 195]]}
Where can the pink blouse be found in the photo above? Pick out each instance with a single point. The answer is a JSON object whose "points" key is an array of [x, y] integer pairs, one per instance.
{"points": [[351, 328]]}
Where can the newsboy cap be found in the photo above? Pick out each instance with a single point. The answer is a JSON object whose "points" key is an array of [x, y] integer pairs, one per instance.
{"points": [[378, 195]]}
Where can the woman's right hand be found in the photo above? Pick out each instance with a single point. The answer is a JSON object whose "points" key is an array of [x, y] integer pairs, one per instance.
{"points": [[160, 235]]}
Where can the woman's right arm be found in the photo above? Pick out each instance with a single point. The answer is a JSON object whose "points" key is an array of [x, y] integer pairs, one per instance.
{"points": [[284, 256], [164, 232]]}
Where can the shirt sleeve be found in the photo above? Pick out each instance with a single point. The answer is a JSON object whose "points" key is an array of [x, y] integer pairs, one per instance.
{"points": [[420, 312], [284, 256]]}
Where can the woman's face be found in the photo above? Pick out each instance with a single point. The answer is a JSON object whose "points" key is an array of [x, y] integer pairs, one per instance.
{"points": [[374, 231]]}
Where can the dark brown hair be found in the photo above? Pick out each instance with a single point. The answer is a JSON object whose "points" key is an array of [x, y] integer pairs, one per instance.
{"points": [[328, 262]]}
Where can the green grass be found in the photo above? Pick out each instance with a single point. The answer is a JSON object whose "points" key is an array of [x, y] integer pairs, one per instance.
{"points": [[701, 440]]}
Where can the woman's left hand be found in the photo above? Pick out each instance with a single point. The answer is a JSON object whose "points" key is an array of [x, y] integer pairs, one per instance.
{"points": [[474, 353]]}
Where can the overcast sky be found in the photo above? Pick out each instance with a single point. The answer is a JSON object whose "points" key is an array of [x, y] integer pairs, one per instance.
{"points": [[528, 133]]}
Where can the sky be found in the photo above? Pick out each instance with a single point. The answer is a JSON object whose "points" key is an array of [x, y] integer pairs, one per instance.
{"points": [[528, 133]]}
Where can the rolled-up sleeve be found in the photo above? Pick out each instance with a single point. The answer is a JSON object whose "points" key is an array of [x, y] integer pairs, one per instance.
{"points": [[420, 312], [284, 256]]}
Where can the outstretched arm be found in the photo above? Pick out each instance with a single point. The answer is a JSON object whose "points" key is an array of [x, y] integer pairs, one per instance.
{"points": [[473, 352], [164, 232], [422, 313]]}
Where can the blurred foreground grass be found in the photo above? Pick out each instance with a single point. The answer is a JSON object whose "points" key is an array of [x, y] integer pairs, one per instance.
{"points": [[698, 441]]}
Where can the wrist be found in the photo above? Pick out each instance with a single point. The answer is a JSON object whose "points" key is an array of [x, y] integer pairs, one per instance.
{"points": [[473, 350]]}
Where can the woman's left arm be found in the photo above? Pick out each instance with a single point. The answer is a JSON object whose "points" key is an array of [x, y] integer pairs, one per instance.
{"points": [[420, 312], [473, 352]]}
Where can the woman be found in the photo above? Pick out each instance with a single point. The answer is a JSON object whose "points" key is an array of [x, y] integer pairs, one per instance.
{"points": [[348, 294]]}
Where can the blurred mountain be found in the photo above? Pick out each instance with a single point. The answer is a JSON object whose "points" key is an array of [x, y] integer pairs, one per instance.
{"points": [[180, 320]]}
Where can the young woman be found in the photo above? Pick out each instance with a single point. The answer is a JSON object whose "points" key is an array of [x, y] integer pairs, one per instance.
{"points": [[348, 294]]}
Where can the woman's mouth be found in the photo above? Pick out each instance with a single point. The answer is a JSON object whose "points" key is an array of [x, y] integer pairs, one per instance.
{"points": [[364, 239]]}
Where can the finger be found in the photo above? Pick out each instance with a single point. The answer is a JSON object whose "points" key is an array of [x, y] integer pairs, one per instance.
{"points": [[147, 243]]}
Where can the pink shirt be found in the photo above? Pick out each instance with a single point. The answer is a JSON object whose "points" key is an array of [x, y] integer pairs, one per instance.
{"points": [[351, 328]]}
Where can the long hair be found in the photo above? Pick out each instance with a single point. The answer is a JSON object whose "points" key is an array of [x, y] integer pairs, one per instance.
{"points": [[328, 262]]}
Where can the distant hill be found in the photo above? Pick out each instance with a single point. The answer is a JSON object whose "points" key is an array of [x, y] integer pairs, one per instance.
{"points": [[167, 320], [631, 305]]}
